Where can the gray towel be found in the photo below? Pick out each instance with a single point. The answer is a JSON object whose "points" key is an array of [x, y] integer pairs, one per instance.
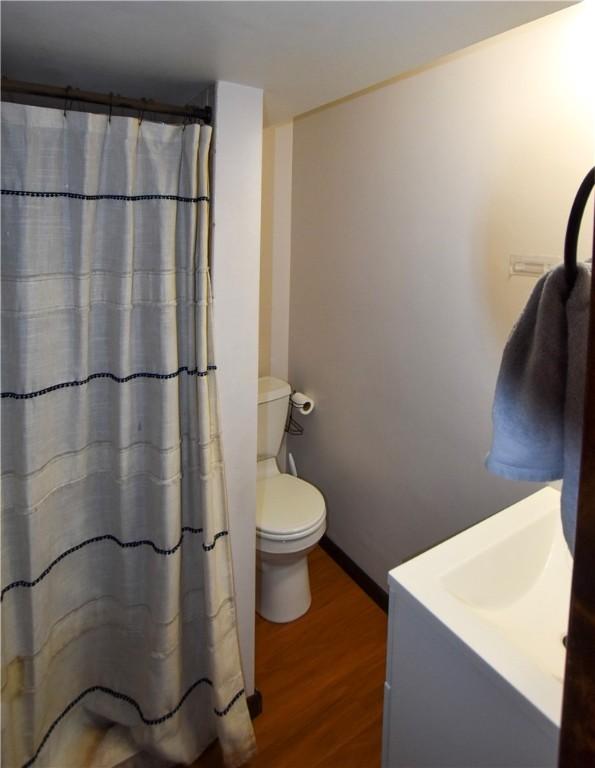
{"points": [[538, 406]]}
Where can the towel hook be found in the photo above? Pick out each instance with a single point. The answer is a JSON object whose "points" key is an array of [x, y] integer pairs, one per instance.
{"points": [[574, 225]]}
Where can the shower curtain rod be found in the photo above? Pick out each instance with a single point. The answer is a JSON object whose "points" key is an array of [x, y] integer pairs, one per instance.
{"points": [[108, 99]]}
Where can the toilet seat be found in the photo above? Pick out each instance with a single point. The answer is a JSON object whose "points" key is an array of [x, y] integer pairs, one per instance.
{"points": [[287, 508]]}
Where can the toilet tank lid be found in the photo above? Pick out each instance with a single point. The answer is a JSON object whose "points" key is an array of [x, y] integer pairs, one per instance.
{"points": [[270, 388]]}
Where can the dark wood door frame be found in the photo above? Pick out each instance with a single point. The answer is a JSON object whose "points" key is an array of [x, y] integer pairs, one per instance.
{"points": [[577, 735]]}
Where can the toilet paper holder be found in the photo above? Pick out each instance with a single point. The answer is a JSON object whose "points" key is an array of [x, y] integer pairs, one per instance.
{"points": [[303, 405], [292, 427]]}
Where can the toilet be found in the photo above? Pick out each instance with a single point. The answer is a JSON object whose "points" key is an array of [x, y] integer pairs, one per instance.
{"points": [[290, 515]]}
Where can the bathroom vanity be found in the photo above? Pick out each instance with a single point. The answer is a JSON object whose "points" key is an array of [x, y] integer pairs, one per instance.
{"points": [[475, 658]]}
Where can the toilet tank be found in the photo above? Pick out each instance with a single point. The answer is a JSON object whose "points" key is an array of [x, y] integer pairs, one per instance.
{"points": [[273, 401]]}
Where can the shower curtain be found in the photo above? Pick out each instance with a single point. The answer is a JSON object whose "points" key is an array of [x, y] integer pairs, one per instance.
{"points": [[120, 643]]}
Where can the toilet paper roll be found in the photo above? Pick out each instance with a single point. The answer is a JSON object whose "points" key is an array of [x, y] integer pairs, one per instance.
{"points": [[303, 403]]}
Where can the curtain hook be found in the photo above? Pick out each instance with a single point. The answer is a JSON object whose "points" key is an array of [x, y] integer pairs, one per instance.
{"points": [[141, 113], [67, 89], [111, 106]]}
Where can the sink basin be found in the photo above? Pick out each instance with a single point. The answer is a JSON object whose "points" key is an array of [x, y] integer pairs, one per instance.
{"points": [[476, 660]]}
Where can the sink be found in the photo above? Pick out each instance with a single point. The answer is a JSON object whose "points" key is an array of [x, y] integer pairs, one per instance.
{"points": [[475, 655]]}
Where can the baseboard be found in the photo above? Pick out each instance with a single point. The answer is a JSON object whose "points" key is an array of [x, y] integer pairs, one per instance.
{"points": [[361, 578], [255, 704]]}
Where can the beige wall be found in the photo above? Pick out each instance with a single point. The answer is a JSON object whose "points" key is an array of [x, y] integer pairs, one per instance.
{"points": [[407, 203], [275, 251]]}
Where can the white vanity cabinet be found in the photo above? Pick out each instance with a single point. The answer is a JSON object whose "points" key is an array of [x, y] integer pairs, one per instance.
{"points": [[475, 659]]}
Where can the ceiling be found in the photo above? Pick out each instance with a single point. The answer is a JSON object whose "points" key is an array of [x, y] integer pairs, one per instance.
{"points": [[303, 54]]}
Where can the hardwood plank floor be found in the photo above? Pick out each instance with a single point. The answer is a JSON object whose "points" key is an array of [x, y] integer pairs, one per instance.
{"points": [[321, 678]]}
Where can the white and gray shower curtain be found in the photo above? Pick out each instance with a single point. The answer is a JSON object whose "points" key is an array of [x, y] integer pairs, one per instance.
{"points": [[119, 640]]}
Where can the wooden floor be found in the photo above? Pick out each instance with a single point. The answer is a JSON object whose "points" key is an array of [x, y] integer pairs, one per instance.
{"points": [[321, 678]]}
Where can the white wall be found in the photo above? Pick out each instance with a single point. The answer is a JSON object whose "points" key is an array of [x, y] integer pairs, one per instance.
{"points": [[275, 251], [236, 254], [407, 202]]}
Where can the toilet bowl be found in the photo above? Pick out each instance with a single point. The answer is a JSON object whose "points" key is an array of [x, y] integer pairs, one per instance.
{"points": [[290, 516]]}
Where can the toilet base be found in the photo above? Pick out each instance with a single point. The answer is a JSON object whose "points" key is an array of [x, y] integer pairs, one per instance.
{"points": [[282, 585]]}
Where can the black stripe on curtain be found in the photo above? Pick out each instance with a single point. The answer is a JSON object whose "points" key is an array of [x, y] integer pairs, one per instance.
{"points": [[122, 544], [112, 377], [129, 700], [125, 198]]}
